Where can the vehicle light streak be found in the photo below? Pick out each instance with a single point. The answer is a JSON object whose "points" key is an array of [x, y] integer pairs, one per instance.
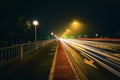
{"points": [[98, 51], [100, 56], [76, 62], [103, 45]]}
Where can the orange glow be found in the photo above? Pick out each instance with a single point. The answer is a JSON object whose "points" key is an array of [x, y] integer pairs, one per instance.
{"points": [[68, 30], [66, 33], [75, 25], [75, 22]]}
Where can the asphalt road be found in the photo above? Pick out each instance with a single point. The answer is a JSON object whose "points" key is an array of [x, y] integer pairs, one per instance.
{"points": [[35, 66], [93, 60], [89, 60]]}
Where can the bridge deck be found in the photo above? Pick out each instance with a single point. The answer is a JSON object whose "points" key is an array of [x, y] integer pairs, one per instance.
{"points": [[62, 69]]}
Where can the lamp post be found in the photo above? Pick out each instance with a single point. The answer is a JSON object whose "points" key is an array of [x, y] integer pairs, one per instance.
{"points": [[35, 23], [52, 34]]}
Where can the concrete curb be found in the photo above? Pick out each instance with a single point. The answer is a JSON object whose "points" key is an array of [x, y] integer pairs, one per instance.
{"points": [[75, 73], [53, 66]]}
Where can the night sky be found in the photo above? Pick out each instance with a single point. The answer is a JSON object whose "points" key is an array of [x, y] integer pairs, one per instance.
{"points": [[99, 16]]}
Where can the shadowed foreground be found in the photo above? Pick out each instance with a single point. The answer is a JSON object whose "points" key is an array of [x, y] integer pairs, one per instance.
{"points": [[34, 66]]}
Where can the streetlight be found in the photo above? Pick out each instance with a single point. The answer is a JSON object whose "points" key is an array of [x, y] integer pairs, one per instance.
{"points": [[35, 23], [52, 34], [75, 25], [75, 22], [96, 35]]}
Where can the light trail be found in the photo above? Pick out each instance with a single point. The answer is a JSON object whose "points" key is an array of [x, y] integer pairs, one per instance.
{"points": [[96, 50], [76, 62], [98, 54], [102, 45]]}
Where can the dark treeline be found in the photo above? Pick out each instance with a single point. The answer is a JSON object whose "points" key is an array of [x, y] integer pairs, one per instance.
{"points": [[15, 29]]}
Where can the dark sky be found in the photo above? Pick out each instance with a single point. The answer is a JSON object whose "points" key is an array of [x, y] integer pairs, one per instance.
{"points": [[99, 16]]}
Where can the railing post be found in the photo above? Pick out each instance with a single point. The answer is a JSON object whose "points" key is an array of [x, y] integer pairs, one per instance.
{"points": [[21, 56]]}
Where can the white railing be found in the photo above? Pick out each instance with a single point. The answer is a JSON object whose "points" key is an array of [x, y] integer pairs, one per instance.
{"points": [[43, 43], [8, 54]]}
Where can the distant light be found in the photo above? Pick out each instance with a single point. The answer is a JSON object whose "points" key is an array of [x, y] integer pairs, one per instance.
{"points": [[68, 30], [52, 33], [75, 25], [85, 35], [96, 34], [35, 22], [60, 38], [75, 22]]}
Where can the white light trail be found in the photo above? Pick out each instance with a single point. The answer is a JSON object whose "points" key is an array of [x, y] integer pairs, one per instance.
{"points": [[96, 55]]}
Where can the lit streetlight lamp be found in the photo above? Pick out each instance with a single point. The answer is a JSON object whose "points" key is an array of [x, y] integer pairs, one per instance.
{"points": [[52, 34], [96, 35], [75, 25], [35, 23], [75, 22]]}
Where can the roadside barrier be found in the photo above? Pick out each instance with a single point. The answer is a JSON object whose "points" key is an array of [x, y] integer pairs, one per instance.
{"points": [[10, 53]]}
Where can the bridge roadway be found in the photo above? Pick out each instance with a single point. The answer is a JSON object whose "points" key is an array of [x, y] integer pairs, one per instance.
{"points": [[67, 60], [47, 63]]}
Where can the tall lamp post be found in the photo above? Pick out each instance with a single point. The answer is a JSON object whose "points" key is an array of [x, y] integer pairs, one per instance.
{"points": [[35, 23], [52, 34]]}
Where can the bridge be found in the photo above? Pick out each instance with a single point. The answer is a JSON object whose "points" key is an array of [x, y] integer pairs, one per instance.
{"points": [[63, 59]]}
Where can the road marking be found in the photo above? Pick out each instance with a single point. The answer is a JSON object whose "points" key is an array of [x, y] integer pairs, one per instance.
{"points": [[75, 73], [53, 66], [116, 55], [90, 62]]}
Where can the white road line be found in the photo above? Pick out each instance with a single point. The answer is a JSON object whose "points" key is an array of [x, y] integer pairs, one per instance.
{"points": [[53, 66]]}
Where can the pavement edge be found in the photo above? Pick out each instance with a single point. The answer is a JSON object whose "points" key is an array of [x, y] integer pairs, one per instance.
{"points": [[74, 71], [53, 65]]}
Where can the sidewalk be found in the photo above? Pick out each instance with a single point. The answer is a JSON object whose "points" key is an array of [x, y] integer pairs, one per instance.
{"points": [[62, 69], [34, 66]]}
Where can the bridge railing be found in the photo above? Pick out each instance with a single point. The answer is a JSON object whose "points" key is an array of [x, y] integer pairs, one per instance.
{"points": [[8, 54]]}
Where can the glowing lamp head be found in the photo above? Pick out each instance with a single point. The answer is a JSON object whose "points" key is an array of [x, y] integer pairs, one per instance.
{"points": [[75, 25], [75, 22], [52, 33], [35, 22], [96, 34]]}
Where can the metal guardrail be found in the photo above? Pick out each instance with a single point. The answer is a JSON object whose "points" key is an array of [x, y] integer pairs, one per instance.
{"points": [[8, 54]]}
